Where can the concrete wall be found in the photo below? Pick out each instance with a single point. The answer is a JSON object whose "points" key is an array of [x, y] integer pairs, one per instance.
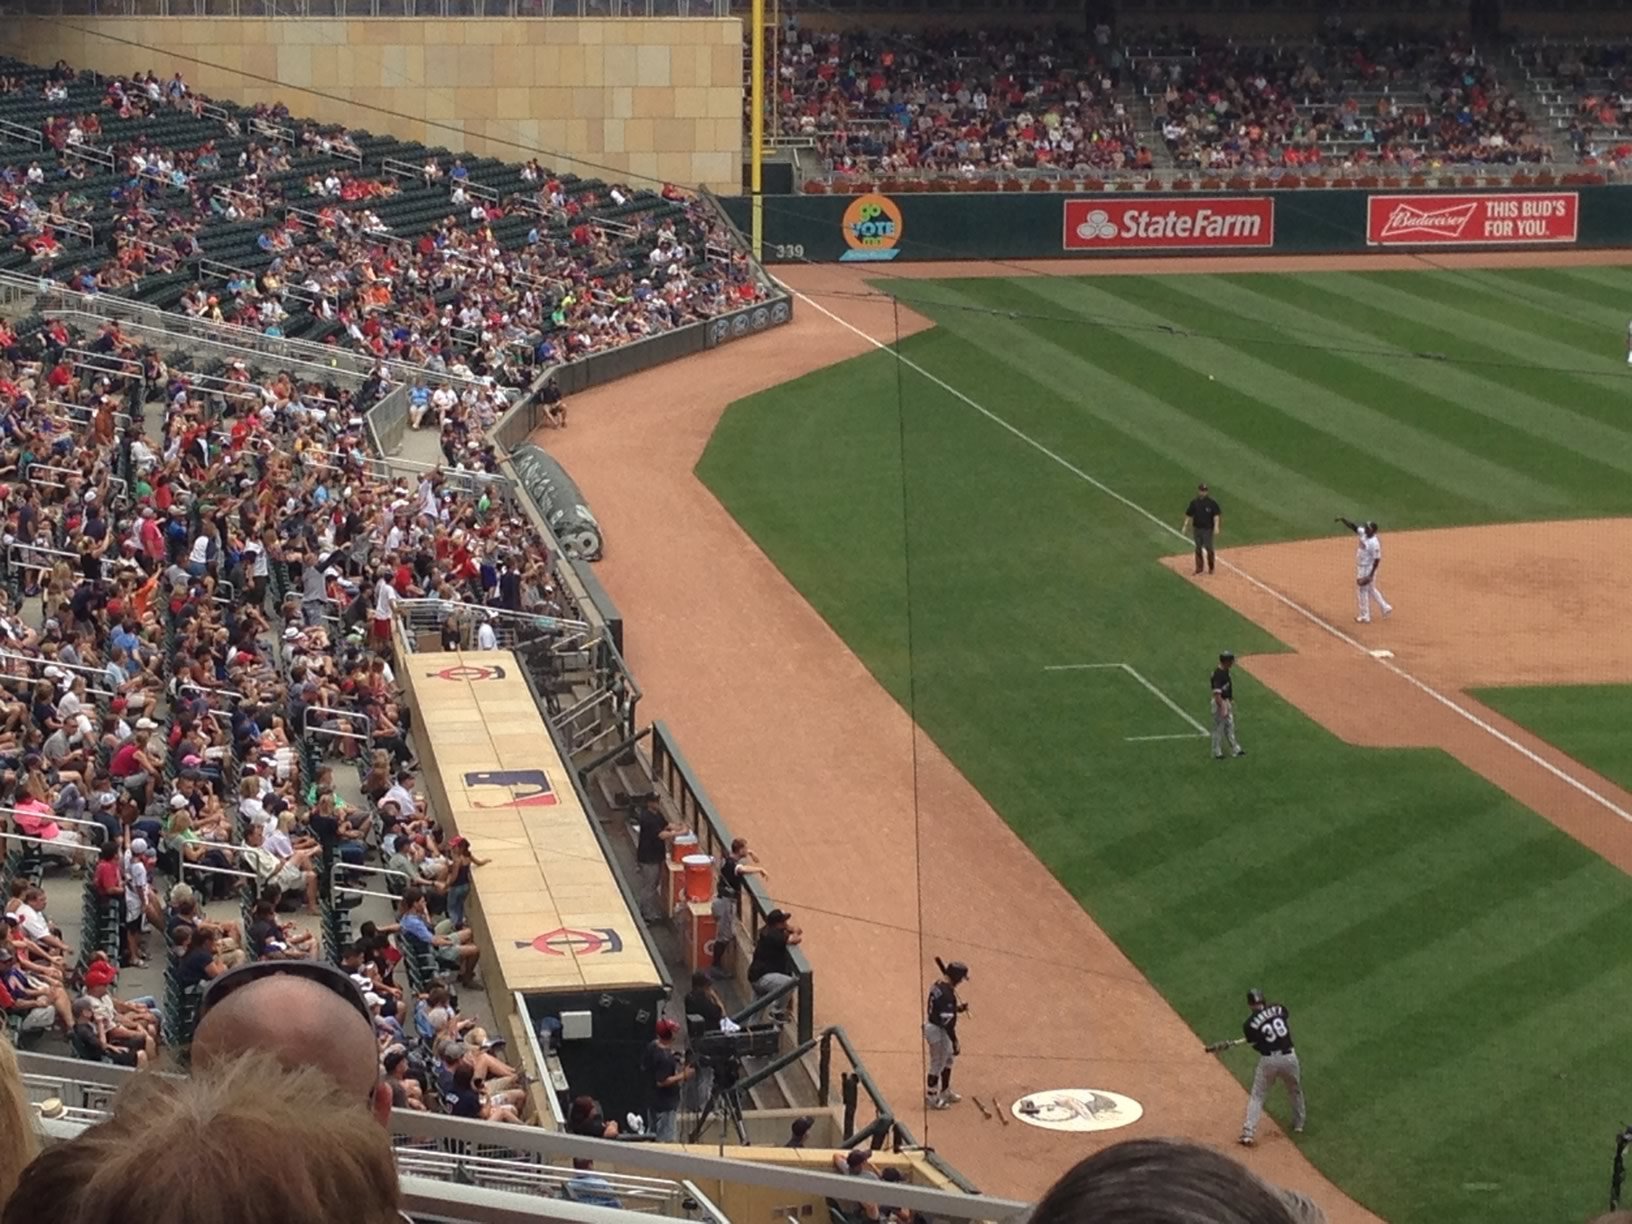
{"points": [[659, 98]]}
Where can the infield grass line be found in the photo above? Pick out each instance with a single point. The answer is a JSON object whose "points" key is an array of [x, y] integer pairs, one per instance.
{"points": [[1168, 529], [1134, 672]]}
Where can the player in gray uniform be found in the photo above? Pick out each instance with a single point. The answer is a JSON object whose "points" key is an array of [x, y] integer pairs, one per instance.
{"points": [[1224, 707], [1268, 1032]]}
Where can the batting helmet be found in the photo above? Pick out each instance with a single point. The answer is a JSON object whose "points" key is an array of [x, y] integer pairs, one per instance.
{"points": [[957, 971], [1255, 998], [1227, 656]]}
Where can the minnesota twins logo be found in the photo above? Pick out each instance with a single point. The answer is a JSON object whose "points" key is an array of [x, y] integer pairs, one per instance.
{"points": [[575, 941], [533, 783], [463, 671]]}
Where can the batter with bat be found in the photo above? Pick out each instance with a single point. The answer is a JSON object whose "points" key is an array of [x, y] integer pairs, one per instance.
{"points": [[1267, 1031], [941, 1032]]}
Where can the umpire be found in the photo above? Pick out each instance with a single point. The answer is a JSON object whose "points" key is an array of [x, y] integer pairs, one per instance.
{"points": [[1224, 707], [1205, 519]]}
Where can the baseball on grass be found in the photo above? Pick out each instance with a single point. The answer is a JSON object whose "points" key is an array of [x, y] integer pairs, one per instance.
{"points": [[1209, 378]]}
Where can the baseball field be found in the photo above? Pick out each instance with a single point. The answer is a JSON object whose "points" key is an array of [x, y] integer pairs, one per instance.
{"points": [[1424, 853]]}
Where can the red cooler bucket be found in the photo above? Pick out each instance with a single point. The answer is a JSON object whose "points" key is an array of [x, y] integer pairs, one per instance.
{"points": [[682, 845], [699, 877]]}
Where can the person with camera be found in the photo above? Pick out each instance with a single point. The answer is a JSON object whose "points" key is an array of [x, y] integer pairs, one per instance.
{"points": [[665, 1073], [941, 1032]]}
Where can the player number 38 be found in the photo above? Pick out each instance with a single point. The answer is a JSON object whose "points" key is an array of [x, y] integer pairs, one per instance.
{"points": [[1278, 1027]]}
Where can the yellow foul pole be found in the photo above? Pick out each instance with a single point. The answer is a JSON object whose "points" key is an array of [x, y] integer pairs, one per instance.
{"points": [[756, 122]]}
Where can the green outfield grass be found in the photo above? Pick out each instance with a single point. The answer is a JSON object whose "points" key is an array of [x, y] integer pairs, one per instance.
{"points": [[1454, 964], [1591, 722]]}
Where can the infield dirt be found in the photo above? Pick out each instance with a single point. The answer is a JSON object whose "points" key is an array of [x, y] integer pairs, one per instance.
{"points": [[770, 704]]}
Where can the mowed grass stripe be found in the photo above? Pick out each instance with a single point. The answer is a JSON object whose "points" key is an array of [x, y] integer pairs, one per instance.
{"points": [[1605, 288], [1569, 296], [1346, 421], [1517, 394], [1569, 451], [1492, 310], [1045, 356], [1588, 721], [1536, 477], [1516, 357]]}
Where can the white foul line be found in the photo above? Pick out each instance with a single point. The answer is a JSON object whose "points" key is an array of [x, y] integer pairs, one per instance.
{"points": [[1160, 696], [1422, 686]]}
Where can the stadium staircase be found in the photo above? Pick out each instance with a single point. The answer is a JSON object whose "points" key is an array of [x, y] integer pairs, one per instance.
{"points": [[1554, 103]]}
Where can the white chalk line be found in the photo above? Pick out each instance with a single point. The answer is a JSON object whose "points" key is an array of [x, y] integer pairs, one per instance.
{"points": [[1160, 696], [1313, 618]]}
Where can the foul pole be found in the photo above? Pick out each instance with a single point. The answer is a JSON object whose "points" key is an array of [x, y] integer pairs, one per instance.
{"points": [[756, 122]]}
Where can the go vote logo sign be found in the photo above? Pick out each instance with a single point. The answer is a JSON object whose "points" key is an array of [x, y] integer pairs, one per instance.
{"points": [[872, 229]]}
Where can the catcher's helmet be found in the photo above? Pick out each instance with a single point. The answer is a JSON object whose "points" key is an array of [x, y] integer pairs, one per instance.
{"points": [[1255, 998], [957, 971]]}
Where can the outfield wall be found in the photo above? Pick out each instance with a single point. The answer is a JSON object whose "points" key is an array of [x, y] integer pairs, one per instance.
{"points": [[880, 229], [660, 98]]}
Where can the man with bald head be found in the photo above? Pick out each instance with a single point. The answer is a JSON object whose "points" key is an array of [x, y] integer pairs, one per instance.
{"points": [[305, 1014]]}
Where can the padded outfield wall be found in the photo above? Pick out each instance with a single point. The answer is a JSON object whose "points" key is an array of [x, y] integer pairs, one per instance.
{"points": [[881, 229]]}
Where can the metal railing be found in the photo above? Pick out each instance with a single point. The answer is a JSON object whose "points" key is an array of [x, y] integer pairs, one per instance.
{"points": [[85, 1092]]}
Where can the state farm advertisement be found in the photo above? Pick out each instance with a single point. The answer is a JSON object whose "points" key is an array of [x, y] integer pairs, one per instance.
{"points": [[1485, 219], [1142, 223]]}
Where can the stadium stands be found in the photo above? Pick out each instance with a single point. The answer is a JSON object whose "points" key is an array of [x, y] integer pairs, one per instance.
{"points": [[247, 216], [1003, 100], [1585, 89]]}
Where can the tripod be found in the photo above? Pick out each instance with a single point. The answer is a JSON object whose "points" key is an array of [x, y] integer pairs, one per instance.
{"points": [[723, 1096]]}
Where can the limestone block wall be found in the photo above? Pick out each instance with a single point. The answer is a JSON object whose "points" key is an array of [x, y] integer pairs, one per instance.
{"points": [[657, 98]]}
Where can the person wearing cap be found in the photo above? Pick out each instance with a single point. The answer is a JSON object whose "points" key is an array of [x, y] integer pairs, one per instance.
{"points": [[1268, 1031], [1205, 520], [139, 901], [130, 1024], [799, 1132], [941, 1033], [1224, 707], [91, 1040], [665, 1074], [772, 965]]}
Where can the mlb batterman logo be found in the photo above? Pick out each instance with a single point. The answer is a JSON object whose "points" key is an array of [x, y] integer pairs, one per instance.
{"points": [[872, 229]]}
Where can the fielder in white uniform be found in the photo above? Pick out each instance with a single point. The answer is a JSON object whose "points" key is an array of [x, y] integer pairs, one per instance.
{"points": [[1629, 344], [1368, 559]]}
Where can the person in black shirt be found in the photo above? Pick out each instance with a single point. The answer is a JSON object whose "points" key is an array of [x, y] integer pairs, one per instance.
{"points": [[740, 862], [1267, 1030], [704, 1003], [1205, 520], [651, 850], [941, 1032], [665, 1075], [1224, 707], [199, 964], [772, 965]]}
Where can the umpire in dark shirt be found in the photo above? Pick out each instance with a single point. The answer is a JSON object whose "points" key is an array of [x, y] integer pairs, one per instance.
{"points": [[1205, 520]]}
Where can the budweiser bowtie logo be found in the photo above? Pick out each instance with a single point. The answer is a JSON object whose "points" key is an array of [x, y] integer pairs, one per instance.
{"points": [[1407, 220]]}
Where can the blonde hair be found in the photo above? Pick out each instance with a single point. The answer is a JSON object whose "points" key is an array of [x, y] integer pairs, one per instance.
{"points": [[143, 1162], [18, 1139]]}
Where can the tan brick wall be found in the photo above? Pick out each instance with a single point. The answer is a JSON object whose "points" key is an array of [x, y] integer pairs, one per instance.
{"points": [[659, 98]]}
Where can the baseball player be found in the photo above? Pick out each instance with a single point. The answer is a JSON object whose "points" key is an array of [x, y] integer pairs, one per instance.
{"points": [[1224, 707], [1629, 344], [1268, 1032], [941, 1032], [1368, 559]]}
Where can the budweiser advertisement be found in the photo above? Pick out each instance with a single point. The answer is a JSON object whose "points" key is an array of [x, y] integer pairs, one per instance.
{"points": [[1486, 219], [1142, 223]]}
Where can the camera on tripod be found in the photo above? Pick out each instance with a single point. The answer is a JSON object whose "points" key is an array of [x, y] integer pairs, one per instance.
{"points": [[756, 1041]]}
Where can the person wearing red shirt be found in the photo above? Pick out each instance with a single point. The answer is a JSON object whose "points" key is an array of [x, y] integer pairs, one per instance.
{"points": [[108, 880]]}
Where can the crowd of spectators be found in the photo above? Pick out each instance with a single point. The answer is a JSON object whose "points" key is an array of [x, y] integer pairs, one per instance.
{"points": [[193, 632], [552, 271], [1596, 84], [1356, 96], [957, 102]]}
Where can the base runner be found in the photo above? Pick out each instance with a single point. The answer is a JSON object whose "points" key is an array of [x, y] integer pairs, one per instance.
{"points": [[1368, 559]]}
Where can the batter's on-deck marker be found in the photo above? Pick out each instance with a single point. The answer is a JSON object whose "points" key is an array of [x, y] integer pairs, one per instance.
{"points": [[1160, 696], [1167, 529], [1382, 654], [1078, 1109]]}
